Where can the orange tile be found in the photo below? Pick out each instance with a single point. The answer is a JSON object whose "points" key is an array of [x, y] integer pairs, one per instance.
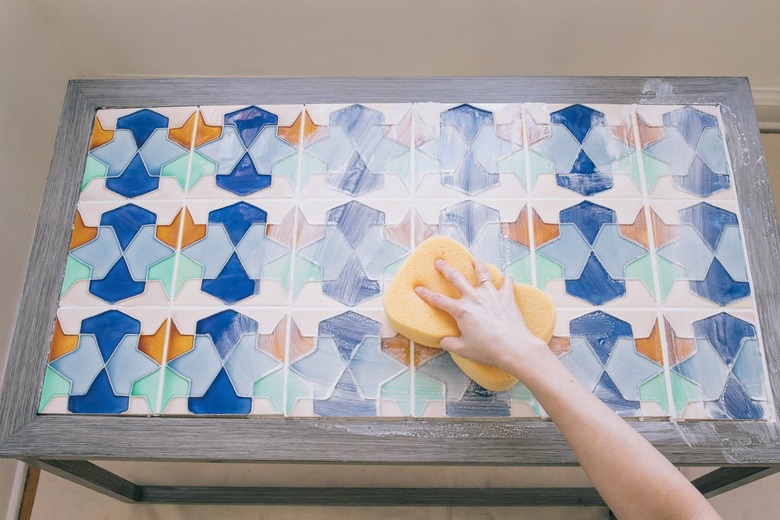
{"points": [[204, 132], [190, 231], [81, 233], [680, 349], [544, 232], [178, 343], [300, 345], [663, 232], [292, 133], [650, 347], [649, 134], [274, 344], [285, 231], [624, 133], [422, 231], [62, 343], [560, 345], [399, 347], [518, 230], [153, 345], [402, 233], [638, 230], [99, 136], [423, 354]]}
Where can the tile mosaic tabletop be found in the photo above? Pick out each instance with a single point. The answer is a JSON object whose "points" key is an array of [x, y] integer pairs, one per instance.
{"points": [[230, 260]]}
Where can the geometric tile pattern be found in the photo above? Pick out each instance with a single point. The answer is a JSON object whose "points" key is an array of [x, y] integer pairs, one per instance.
{"points": [[231, 260], [718, 373]]}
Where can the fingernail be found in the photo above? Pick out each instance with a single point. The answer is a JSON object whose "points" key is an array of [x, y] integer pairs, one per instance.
{"points": [[438, 262], [419, 289]]}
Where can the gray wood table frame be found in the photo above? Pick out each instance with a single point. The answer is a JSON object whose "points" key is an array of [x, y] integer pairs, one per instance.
{"points": [[743, 451]]}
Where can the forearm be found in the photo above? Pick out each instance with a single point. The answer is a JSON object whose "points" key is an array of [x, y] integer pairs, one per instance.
{"points": [[634, 479]]}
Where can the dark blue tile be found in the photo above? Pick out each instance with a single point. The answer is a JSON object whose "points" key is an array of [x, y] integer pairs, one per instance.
{"points": [[718, 286], [226, 329], [100, 398], [594, 284], [467, 119], [134, 180], [353, 285], [737, 404], [244, 178], [220, 398], [589, 218], [724, 332], [608, 392], [348, 330], [602, 332], [117, 285], [142, 124], [480, 402], [578, 120], [353, 220], [237, 219], [701, 180], [127, 221], [345, 401], [708, 220], [690, 122], [232, 284], [249, 122], [109, 328]]}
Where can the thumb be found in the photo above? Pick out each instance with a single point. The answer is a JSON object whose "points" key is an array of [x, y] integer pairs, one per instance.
{"points": [[452, 344]]}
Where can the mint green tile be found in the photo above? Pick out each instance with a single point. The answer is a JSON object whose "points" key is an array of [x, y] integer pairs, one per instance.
{"points": [[684, 391], [148, 387], [547, 270], [629, 165], [426, 389], [401, 166], [642, 269], [398, 389], [655, 390], [654, 169], [200, 167], [309, 166], [74, 271], [539, 165], [178, 170], [173, 385], [668, 273], [515, 164], [53, 385], [520, 270], [94, 169], [272, 388], [288, 168], [297, 388]]}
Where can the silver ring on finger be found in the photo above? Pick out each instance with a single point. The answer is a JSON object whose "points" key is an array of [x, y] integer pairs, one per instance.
{"points": [[483, 280]]}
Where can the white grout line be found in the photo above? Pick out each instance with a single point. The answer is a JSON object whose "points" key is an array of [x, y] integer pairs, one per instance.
{"points": [[654, 263], [529, 200]]}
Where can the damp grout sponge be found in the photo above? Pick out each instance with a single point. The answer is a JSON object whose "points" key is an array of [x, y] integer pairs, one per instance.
{"points": [[412, 317]]}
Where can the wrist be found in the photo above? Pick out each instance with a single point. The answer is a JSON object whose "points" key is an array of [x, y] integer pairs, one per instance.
{"points": [[523, 360]]}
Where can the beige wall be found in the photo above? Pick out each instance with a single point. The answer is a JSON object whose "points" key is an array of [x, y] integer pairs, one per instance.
{"points": [[33, 75], [45, 42]]}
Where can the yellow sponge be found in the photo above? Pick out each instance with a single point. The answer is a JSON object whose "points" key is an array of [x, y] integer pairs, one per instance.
{"points": [[426, 325]]}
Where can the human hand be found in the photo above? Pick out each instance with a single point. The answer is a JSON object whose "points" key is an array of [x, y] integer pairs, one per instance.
{"points": [[492, 329]]}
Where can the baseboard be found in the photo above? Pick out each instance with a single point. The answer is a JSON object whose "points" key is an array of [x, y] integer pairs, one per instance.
{"points": [[767, 101]]}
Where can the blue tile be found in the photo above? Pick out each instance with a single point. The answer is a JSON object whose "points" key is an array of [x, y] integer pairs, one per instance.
{"points": [[127, 221], [480, 402], [608, 393], [244, 178], [354, 219], [109, 328], [467, 119], [250, 122], [220, 399], [602, 331], [701, 180], [134, 180], [226, 329], [100, 399], [232, 284], [348, 330], [708, 220], [345, 401], [237, 219], [595, 285], [353, 285], [737, 404], [690, 122], [725, 332], [142, 124], [718, 286], [578, 119], [588, 217], [117, 285]]}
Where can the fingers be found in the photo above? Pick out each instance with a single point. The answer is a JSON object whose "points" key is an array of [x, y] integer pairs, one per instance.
{"points": [[437, 300], [481, 270], [454, 277], [452, 344], [508, 286]]}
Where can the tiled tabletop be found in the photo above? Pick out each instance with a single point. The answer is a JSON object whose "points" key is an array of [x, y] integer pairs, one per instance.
{"points": [[230, 260]]}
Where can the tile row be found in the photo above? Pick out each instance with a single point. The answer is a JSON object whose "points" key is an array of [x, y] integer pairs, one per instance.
{"points": [[401, 150], [618, 253], [334, 362]]}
